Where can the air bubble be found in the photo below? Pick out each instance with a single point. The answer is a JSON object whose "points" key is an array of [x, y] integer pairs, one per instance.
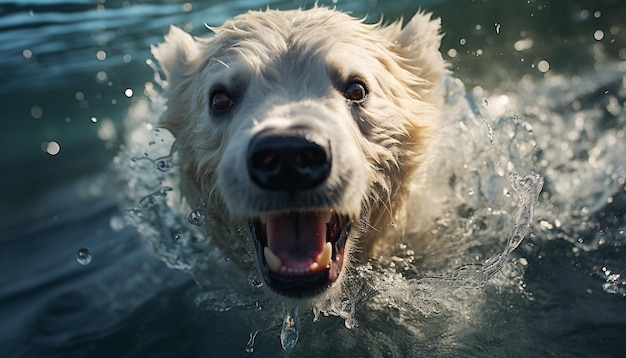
{"points": [[84, 256]]}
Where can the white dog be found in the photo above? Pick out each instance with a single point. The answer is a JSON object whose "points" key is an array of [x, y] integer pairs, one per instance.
{"points": [[302, 131]]}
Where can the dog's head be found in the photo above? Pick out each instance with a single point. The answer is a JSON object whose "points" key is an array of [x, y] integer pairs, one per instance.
{"points": [[301, 129]]}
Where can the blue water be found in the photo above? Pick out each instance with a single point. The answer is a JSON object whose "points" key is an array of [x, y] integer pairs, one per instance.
{"points": [[548, 78]]}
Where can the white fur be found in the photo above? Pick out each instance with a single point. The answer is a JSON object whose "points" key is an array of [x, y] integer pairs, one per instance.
{"points": [[285, 66]]}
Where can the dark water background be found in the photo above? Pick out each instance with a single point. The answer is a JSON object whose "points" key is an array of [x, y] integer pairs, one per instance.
{"points": [[65, 68]]}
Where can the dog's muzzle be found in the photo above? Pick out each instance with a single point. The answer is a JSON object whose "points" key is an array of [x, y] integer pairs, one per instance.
{"points": [[300, 249]]}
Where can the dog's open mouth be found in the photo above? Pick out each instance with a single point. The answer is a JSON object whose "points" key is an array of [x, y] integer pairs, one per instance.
{"points": [[300, 253]]}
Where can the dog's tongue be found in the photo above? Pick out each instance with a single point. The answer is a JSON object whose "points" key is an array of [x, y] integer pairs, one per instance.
{"points": [[296, 239]]}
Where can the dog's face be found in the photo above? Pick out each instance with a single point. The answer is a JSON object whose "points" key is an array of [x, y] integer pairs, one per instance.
{"points": [[301, 130]]}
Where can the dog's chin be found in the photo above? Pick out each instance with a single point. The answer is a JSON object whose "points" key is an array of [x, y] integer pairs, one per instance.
{"points": [[300, 253]]}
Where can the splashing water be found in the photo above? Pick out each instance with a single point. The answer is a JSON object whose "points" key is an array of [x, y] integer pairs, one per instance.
{"points": [[477, 183], [162, 164], [424, 293], [478, 144], [250, 344], [289, 332]]}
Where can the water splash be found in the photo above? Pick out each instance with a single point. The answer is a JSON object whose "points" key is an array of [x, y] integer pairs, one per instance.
{"points": [[478, 171], [425, 294], [422, 294], [162, 164], [250, 344], [289, 333], [614, 284], [481, 141]]}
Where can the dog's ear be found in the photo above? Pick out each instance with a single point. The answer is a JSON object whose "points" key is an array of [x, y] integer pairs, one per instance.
{"points": [[176, 55], [418, 44]]}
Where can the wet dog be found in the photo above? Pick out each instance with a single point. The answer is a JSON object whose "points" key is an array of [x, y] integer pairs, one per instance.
{"points": [[301, 131]]}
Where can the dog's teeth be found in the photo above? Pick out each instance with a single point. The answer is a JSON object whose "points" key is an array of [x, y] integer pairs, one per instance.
{"points": [[264, 218], [273, 262], [326, 216], [323, 259]]}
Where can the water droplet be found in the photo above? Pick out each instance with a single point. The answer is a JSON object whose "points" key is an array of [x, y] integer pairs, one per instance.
{"points": [[101, 76], [147, 201], [52, 148], [543, 66], [84, 256], [177, 238], [316, 313], [164, 190], [254, 280], [36, 112], [163, 164], [598, 35], [289, 333], [250, 345], [196, 218], [101, 55], [610, 288], [349, 322]]}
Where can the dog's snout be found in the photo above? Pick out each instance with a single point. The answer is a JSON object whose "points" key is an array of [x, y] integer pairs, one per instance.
{"points": [[288, 161]]}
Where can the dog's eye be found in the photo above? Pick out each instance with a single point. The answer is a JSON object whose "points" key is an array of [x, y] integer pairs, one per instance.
{"points": [[220, 101], [355, 92]]}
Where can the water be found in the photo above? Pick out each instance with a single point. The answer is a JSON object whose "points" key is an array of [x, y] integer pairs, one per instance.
{"points": [[543, 89], [289, 332], [84, 256]]}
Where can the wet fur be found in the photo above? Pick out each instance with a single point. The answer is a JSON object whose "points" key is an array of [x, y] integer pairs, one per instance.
{"points": [[287, 68]]}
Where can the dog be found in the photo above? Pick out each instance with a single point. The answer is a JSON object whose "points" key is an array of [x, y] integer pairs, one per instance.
{"points": [[302, 132]]}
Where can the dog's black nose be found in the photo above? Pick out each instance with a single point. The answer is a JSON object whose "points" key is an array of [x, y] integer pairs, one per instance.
{"points": [[288, 161]]}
